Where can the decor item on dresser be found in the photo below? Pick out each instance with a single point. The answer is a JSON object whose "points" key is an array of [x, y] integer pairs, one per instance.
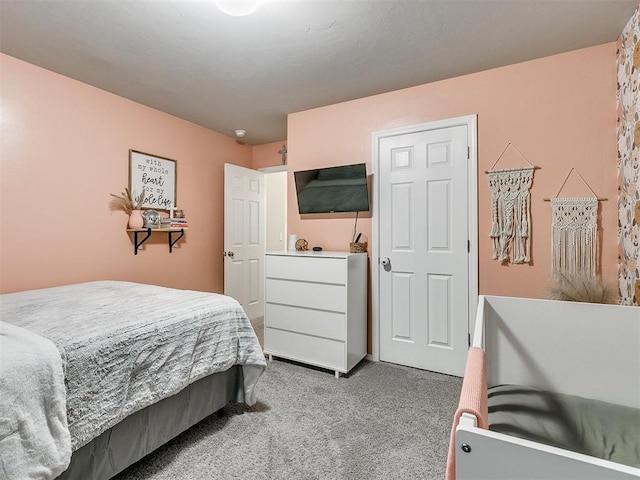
{"points": [[292, 243], [356, 246], [302, 245], [132, 379], [316, 308], [157, 175], [574, 228], [360, 247], [511, 210]]}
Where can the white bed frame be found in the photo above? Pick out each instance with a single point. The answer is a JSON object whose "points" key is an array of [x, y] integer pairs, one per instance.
{"points": [[581, 349]]}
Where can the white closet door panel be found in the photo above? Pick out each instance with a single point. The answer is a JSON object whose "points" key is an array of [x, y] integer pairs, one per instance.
{"points": [[322, 270], [238, 222], [320, 296], [439, 219], [401, 205], [439, 314], [402, 320], [303, 320], [254, 223], [313, 350]]}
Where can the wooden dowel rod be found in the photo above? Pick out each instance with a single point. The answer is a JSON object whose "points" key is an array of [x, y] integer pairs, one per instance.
{"points": [[599, 199], [512, 168]]}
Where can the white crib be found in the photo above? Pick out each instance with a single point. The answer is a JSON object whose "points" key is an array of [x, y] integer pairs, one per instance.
{"points": [[588, 350]]}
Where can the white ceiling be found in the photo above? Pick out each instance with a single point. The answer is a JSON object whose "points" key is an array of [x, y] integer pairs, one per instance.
{"points": [[189, 59]]}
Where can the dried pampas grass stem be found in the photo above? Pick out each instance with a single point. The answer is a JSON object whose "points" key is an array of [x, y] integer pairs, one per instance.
{"points": [[581, 288], [125, 201]]}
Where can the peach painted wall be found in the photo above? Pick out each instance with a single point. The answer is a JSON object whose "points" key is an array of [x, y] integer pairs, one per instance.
{"points": [[64, 149], [267, 155], [559, 111]]}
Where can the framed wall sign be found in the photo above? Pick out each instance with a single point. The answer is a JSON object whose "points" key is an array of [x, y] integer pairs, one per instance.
{"points": [[158, 177]]}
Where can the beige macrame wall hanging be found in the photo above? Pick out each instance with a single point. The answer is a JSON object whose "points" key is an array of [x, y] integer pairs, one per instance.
{"points": [[511, 211], [574, 233]]}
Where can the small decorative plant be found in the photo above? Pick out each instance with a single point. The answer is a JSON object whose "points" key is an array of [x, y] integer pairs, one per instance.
{"points": [[125, 201], [581, 288]]}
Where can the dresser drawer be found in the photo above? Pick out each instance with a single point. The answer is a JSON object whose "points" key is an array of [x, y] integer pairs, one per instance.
{"points": [[307, 269], [313, 350], [320, 296], [310, 322]]}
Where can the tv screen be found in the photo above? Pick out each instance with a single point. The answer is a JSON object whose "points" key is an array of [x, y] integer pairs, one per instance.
{"points": [[332, 189]]}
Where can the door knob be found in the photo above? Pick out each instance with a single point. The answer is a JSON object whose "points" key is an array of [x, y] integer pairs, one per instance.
{"points": [[385, 261]]}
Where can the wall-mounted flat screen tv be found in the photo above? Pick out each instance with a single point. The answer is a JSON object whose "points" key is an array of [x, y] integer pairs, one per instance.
{"points": [[333, 189]]}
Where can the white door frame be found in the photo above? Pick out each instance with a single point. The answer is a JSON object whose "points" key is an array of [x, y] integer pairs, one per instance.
{"points": [[277, 168], [471, 121]]}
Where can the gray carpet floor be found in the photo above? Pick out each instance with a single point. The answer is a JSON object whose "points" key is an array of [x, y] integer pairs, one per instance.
{"points": [[380, 421]]}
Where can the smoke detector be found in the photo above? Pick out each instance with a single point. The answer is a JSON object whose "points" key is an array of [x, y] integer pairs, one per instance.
{"points": [[240, 133]]}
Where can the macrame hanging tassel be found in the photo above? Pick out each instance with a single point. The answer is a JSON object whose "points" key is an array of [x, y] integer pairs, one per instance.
{"points": [[511, 213], [574, 236]]}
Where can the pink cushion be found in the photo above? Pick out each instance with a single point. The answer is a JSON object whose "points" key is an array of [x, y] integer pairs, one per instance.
{"points": [[473, 400]]}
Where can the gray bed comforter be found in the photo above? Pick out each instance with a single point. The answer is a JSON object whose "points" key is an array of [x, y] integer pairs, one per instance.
{"points": [[128, 345], [34, 438]]}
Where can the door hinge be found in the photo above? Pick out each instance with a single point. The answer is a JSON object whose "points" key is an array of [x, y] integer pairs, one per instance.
{"points": [[469, 339], [469, 246], [468, 153]]}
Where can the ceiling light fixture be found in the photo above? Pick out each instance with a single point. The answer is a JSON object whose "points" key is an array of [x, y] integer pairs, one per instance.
{"points": [[240, 133], [238, 8]]}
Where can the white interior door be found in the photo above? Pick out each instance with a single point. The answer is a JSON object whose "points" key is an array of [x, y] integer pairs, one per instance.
{"points": [[424, 249], [244, 237]]}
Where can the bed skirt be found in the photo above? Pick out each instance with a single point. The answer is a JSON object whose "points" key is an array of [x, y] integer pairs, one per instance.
{"points": [[144, 431]]}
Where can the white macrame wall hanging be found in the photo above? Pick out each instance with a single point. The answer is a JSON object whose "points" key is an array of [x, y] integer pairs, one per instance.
{"points": [[574, 233], [511, 212], [574, 236]]}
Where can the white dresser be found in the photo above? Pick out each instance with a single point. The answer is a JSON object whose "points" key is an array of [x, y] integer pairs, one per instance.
{"points": [[316, 308]]}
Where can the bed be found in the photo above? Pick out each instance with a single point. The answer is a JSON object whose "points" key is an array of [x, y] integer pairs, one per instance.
{"points": [[551, 390], [96, 375]]}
